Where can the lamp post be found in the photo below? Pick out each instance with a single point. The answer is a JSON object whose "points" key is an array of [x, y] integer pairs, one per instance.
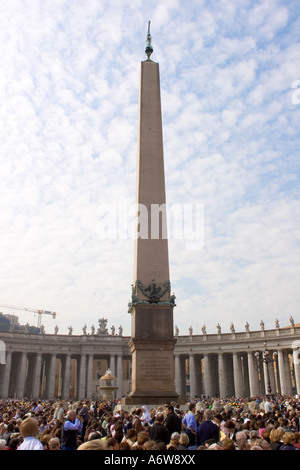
{"points": [[266, 358]]}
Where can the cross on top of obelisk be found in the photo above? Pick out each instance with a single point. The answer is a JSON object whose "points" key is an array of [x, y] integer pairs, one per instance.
{"points": [[149, 48]]}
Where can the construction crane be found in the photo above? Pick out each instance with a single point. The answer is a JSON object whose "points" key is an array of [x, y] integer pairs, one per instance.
{"points": [[39, 312]]}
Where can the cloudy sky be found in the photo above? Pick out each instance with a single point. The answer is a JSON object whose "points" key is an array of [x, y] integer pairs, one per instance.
{"points": [[230, 84]]}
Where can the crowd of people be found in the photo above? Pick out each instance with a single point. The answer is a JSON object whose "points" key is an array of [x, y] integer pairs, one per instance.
{"points": [[259, 423]]}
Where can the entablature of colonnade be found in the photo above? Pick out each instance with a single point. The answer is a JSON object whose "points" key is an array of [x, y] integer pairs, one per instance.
{"points": [[64, 344], [280, 338]]}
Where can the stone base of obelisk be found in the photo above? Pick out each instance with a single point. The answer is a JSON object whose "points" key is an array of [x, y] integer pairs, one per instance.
{"points": [[152, 348], [152, 374]]}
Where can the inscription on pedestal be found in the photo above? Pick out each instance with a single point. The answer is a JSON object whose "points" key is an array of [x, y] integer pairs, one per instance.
{"points": [[155, 370], [159, 369]]}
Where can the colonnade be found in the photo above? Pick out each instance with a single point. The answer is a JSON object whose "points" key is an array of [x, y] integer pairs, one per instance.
{"points": [[227, 365], [239, 374], [56, 375]]}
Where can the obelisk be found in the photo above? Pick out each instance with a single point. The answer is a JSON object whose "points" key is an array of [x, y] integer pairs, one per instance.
{"points": [[151, 307]]}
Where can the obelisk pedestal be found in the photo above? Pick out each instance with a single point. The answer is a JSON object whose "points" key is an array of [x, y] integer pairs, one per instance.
{"points": [[153, 372]]}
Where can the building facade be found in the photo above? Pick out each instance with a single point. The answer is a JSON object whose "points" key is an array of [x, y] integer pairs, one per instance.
{"points": [[51, 366]]}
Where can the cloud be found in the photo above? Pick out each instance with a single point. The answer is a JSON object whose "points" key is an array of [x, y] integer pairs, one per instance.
{"points": [[68, 135], [268, 17]]}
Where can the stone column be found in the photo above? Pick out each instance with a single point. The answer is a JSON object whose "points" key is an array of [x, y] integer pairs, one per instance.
{"points": [[296, 362], [112, 364], [207, 377], [222, 387], [253, 377], [192, 376], [287, 372], [30, 376], [266, 376], [282, 375], [119, 376], [178, 378], [89, 391], [82, 377], [246, 374], [37, 376], [6, 375], [21, 376], [272, 376], [50, 378], [237, 372], [66, 377], [2, 372], [198, 376]]}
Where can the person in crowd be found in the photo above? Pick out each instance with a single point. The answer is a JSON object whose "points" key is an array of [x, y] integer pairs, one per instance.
{"points": [[70, 431], [95, 444], [137, 421], [84, 413], [150, 445], [173, 420], [189, 424], [230, 429], [174, 441], [14, 443], [59, 411], [29, 430], [288, 441], [131, 437], [146, 417], [3, 444], [158, 432], [228, 444], [8, 432], [207, 429], [112, 444], [184, 441], [142, 437], [297, 440], [54, 443], [275, 438]]}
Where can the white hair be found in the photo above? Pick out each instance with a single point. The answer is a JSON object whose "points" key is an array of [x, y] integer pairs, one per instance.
{"points": [[2, 444], [71, 414]]}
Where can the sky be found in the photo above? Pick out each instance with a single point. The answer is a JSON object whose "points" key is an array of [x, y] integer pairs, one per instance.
{"points": [[230, 91]]}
